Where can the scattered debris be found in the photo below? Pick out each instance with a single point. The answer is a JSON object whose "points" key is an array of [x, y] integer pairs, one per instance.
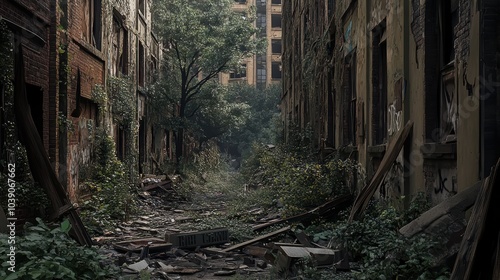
{"points": [[225, 273]]}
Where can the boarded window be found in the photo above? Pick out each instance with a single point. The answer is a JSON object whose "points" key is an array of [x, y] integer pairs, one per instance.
{"points": [[276, 46], [275, 20], [276, 70], [91, 31]]}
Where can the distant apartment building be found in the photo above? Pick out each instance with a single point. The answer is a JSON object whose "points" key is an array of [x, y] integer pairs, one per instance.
{"points": [[264, 69]]}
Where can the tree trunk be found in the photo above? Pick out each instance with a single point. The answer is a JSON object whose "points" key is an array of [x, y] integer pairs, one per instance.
{"points": [[179, 143]]}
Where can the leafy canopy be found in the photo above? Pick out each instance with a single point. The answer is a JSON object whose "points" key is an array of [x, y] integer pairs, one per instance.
{"points": [[202, 38]]}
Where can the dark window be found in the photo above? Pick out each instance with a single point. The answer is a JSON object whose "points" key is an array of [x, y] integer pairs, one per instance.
{"points": [[275, 20], [120, 48], [349, 104], [120, 143], [35, 100], [275, 70], [92, 22], [276, 2], [241, 1], [276, 46], [239, 73], [142, 7], [141, 65], [379, 79]]}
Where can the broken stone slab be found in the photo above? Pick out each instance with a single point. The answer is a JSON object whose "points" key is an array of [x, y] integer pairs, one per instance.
{"points": [[140, 266], [287, 255], [200, 238]]}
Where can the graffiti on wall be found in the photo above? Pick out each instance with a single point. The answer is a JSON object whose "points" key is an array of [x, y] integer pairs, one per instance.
{"points": [[394, 119], [395, 109], [440, 180]]}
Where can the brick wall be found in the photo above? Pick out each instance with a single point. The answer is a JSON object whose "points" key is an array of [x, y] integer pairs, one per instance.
{"points": [[31, 20]]}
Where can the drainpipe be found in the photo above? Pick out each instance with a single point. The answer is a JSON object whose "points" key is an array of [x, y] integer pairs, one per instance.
{"points": [[406, 101]]}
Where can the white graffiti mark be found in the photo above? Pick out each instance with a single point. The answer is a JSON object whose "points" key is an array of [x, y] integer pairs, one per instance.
{"points": [[394, 120]]}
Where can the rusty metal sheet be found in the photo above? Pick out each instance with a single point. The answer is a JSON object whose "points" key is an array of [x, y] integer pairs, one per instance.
{"points": [[200, 238]]}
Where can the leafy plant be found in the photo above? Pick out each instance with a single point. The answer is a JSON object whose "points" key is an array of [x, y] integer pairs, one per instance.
{"points": [[110, 187], [49, 253], [383, 252]]}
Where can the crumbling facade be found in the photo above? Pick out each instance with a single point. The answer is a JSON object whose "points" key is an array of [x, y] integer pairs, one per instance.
{"points": [[77, 52], [355, 72]]}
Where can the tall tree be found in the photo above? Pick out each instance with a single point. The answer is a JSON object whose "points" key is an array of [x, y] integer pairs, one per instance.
{"points": [[202, 38]]}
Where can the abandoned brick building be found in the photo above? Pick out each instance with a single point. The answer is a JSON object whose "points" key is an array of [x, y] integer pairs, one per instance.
{"points": [[356, 72], [73, 49]]}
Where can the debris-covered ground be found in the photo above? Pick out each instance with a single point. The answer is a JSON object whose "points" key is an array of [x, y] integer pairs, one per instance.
{"points": [[140, 244]]}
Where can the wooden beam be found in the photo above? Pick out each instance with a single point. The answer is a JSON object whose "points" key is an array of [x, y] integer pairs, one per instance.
{"points": [[390, 156], [477, 257], [257, 239]]}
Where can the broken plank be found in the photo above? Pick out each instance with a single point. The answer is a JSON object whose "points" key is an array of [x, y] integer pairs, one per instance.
{"points": [[199, 238], [390, 156], [323, 210], [257, 239]]}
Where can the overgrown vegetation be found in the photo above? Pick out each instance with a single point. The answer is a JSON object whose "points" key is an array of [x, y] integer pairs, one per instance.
{"points": [[109, 184], [49, 253]]}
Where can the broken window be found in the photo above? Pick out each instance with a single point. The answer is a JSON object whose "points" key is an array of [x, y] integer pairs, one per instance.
{"points": [[275, 20], [92, 22], [275, 70], [239, 73], [276, 46], [141, 66], [119, 64], [379, 80], [448, 19], [349, 86]]}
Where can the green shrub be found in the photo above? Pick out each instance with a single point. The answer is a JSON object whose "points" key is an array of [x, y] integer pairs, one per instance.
{"points": [[382, 251], [45, 253], [299, 183], [109, 184]]}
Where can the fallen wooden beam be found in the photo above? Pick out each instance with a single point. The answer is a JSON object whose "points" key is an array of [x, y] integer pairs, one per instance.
{"points": [[39, 163], [257, 239], [390, 156], [323, 210], [454, 206], [478, 256]]}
